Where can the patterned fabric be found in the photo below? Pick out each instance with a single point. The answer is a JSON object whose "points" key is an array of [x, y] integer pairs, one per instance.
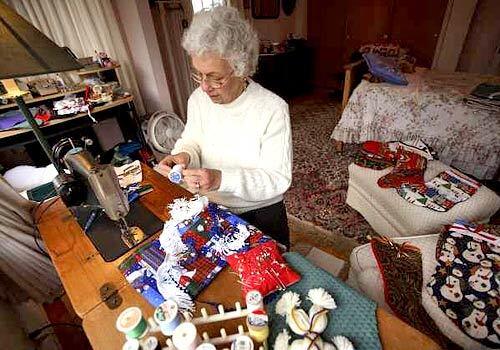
{"points": [[465, 285], [442, 192], [401, 268], [262, 268], [375, 155], [209, 236], [355, 315], [405, 62], [382, 49], [385, 68], [430, 107], [409, 170]]}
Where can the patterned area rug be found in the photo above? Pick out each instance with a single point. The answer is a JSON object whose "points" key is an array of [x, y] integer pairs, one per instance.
{"points": [[320, 176]]}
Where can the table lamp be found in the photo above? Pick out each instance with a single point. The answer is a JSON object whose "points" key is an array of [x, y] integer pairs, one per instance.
{"points": [[26, 52]]}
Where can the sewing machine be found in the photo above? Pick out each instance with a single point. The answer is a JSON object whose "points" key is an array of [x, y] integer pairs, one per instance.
{"points": [[90, 189]]}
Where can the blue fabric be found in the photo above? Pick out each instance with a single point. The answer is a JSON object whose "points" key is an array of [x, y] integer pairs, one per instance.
{"points": [[385, 68], [354, 316], [15, 120]]}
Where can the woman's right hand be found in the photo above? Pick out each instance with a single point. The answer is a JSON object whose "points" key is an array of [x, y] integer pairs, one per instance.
{"points": [[168, 162]]}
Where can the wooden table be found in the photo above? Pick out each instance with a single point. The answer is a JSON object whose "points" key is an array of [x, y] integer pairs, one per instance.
{"points": [[83, 272]]}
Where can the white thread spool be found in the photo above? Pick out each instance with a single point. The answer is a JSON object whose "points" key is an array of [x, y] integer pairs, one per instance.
{"points": [[243, 342], [254, 301], [206, 346], [186, 337], [175, 174]]}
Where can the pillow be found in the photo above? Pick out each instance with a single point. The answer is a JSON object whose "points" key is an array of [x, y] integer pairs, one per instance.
{"points": [[262, 268], [383, 49], [465, 285], [385, 68]]}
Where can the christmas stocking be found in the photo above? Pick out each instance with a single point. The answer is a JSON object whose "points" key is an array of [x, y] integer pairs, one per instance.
{"points": [[442, 192], [409, 170], [375, 155]]}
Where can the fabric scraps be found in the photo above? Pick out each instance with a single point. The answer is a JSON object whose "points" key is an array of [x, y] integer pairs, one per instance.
{"points": [[400, 266], [262, 268], [190, 252], [409, 170], [442, 192], [465, 285]]}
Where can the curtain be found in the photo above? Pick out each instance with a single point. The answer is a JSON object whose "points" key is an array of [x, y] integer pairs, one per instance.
{"points": [[84, 26], [169, 20], [24, 270]]}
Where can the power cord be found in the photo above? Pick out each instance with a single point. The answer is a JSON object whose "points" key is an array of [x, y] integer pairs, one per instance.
{"points": [[36, 233]]}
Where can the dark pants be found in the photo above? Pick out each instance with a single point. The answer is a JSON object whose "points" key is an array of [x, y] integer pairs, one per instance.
{"points": [[271, 221]]}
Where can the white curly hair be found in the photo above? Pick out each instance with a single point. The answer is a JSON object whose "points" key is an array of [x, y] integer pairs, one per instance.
{"points": [[222, 31]]}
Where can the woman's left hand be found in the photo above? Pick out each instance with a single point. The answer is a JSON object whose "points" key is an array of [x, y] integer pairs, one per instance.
{"points": [[202, 180]]}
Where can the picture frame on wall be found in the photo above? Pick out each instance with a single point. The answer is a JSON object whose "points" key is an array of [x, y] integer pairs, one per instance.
{"points": [[265, 9]]}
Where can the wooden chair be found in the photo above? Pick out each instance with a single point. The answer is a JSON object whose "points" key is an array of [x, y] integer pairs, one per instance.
{"points": [[353, 74]]}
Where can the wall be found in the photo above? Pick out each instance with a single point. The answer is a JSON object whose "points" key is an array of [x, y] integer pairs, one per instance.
{"points": [[277, 29], [453, 34], [481, 51], [137, 26]]}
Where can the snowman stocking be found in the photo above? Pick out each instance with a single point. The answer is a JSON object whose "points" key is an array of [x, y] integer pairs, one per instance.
{"points": [[409, 170], [442, 192]]}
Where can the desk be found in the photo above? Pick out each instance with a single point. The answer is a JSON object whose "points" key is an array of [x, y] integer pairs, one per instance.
{"points": [[83, 272]]}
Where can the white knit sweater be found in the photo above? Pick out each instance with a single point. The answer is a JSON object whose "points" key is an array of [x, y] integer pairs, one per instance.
{"points": [[248, 140]]}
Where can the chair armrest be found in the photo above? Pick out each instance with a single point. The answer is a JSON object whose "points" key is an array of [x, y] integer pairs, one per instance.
{"points": [[351, 74], [353, 65]]}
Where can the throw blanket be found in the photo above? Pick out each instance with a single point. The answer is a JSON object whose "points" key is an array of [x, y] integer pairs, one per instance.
{"points": [[431, 108]]}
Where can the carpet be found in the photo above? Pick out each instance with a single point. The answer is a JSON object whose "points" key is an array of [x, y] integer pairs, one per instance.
{"points": [[315, 201]]}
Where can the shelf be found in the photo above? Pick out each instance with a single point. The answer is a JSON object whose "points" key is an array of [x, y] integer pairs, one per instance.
{"points": [[96, 70], [44, 98], [109, 105]]}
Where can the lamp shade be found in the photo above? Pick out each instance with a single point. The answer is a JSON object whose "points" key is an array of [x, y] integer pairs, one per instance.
{"points": [[26, 51]]}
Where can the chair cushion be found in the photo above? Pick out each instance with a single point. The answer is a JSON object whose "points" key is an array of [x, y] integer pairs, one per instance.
{"points": [[391, 215]]}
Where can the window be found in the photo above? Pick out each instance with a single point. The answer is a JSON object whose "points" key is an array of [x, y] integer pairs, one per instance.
{"points": [[199, 5]]}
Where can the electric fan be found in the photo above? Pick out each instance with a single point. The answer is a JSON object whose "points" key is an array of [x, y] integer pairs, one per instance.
{"points": [[161, 130]]}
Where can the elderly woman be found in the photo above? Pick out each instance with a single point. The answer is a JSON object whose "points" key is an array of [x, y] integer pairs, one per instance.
{"points": [[236, 147]]}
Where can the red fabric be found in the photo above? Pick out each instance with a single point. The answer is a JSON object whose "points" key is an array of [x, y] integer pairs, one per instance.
{"points": [[262, 268], [379, 150], [409, 170]]}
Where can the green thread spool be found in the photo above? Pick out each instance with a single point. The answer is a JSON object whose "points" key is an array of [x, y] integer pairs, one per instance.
{"points": [[131, 323]]}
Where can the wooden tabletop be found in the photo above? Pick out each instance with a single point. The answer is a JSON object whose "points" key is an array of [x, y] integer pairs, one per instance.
{"points": [[83, 272]]}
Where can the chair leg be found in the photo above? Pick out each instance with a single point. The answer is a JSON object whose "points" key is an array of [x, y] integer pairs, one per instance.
{"points": [[339, 146]]}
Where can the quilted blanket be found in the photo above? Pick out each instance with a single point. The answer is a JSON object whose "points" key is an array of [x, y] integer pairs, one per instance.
{"points": [[431, 108]]}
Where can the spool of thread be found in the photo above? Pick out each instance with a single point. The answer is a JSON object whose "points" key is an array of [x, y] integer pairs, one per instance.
{"points": [[206, 346], [131, 344], [168, 317], [175, 174], [131, 323], [151, 343], [186, 337], [258, 325], [243, 342], [254, 301]]}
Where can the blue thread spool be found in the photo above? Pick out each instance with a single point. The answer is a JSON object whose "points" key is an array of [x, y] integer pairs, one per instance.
{"points": [[175, 174], [167, 316]]}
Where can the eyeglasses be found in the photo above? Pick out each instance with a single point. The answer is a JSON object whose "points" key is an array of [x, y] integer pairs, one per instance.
{"points": [[213, 83]]}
